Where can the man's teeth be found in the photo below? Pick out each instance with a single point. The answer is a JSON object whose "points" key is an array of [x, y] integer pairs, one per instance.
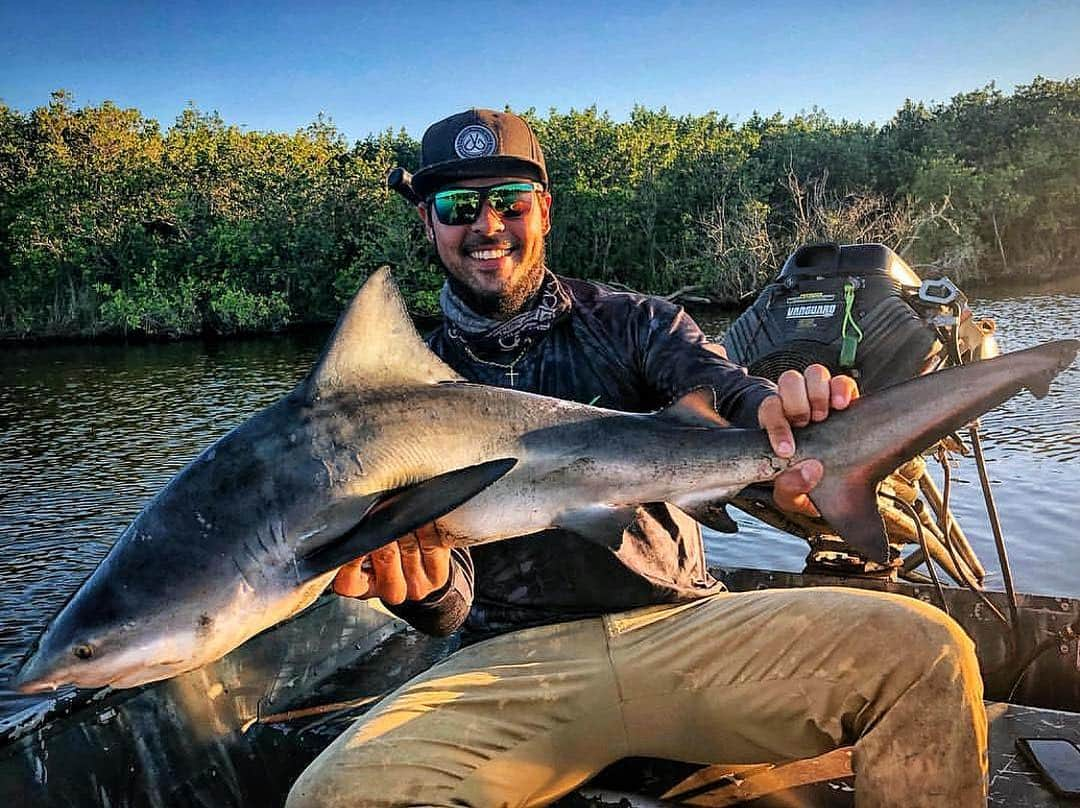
{"points": [[488, 255]]}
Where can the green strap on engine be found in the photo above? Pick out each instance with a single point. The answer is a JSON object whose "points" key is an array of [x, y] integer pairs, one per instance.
{"points": [[849, 343]]}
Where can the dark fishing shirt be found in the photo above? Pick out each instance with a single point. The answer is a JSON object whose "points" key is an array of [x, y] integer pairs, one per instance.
{"points": [[616, 350]]}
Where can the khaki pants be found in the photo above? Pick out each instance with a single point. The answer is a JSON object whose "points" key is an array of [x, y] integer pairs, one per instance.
{"points": [[769, 676]]}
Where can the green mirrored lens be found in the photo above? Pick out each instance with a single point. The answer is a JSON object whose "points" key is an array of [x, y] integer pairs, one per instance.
{"points": [[511, 200], [457, 206]]}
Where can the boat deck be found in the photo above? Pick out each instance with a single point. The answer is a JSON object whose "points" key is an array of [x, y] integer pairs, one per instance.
{"points": [[1013, 781]]}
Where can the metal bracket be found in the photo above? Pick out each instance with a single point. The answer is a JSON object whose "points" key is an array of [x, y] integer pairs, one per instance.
{"points": [[939, 291]]}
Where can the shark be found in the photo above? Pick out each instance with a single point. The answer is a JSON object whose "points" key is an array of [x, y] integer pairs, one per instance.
{"points": [[382, 437]]}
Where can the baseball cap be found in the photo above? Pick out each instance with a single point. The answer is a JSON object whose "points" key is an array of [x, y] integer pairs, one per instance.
{"points": [[478, 143]]}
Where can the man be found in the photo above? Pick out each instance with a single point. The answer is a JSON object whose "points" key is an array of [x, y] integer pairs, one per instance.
{"points": [[596, 651]]}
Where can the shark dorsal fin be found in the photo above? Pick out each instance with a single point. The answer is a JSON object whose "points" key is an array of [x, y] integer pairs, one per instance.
{"points": [[375, 344]]}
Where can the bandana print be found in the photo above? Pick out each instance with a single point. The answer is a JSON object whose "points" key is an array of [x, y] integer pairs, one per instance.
{"points": [[489, 336]]}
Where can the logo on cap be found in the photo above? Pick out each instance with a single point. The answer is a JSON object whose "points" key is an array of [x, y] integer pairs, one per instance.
{"points": [[475, 141]]}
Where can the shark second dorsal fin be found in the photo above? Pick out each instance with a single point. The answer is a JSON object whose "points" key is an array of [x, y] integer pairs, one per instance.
{"points": [[375, 344]]}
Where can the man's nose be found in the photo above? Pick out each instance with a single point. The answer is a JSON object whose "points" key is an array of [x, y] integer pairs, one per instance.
{"points": [[488, 222]]}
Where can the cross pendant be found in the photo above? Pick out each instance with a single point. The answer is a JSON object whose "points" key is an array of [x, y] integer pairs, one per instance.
{"points": [[511, 376]]}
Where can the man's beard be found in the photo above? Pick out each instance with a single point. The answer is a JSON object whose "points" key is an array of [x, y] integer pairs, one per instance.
{"points": [[510, 301]]}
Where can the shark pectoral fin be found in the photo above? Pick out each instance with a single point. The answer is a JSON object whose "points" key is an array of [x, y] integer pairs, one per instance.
{"points": [[712, 514], [709, 508], [851, 508], [600, 524], [757, 500], [403, 511]]}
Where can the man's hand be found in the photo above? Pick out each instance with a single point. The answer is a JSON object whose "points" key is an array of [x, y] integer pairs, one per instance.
{"points": [[801, 398], [409, 569]]}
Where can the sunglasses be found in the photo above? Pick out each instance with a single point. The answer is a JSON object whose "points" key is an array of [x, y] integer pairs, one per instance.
{"points": [[511, 200]]}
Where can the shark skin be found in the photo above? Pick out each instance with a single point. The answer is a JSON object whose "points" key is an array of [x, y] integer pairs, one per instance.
{"points": [[383, 437]]}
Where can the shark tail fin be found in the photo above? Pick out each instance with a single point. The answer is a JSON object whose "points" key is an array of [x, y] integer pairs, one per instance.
{"points": [[924, 410], [850, 506]]}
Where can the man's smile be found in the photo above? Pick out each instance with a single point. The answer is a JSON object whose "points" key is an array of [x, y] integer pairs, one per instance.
{"points": [[489, 252], [487, 255]]}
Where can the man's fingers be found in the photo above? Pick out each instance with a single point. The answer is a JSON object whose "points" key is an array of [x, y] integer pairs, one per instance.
{"points": [[801, 398], [843, 390], [817, 391], [800, 503], [792, 389], [389, 579], [435, 549], [772, 419], [409, 569], [352, 580], [436, 566], [791, 487], [417, 585], [430, 535]]}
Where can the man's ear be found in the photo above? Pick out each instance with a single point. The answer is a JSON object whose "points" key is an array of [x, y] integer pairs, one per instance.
{"points": [[429, 228], [545, 210]]}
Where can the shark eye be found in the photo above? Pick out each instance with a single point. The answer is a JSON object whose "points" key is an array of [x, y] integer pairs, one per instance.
{"points": [[83, 651]]}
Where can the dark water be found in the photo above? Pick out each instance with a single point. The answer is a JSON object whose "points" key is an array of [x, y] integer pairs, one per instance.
{"points": [[90, 433]]}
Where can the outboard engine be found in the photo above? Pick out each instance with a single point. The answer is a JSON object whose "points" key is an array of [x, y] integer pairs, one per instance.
{"points": [[859, 309]]}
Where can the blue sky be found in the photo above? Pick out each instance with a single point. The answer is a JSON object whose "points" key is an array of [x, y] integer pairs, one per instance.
{"points": [[373, 65]]}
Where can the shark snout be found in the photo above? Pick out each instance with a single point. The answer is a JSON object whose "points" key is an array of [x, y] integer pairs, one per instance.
{"points": [[33, 677]]}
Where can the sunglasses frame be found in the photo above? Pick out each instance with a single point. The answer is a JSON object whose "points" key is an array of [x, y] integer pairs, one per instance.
{"points": [[483, 193]]}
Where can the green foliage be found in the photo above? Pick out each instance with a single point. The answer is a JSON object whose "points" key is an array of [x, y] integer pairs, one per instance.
{"points": [[240, 310], [150, 305], [109, 224]]}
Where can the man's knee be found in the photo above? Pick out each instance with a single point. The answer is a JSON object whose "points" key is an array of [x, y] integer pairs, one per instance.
{"points": [[331, 782], [309, 792], [925, 639], [363, 776], [303, 795]]}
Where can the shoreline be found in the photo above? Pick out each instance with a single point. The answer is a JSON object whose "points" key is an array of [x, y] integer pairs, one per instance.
{"points": [[1067, 282]]}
